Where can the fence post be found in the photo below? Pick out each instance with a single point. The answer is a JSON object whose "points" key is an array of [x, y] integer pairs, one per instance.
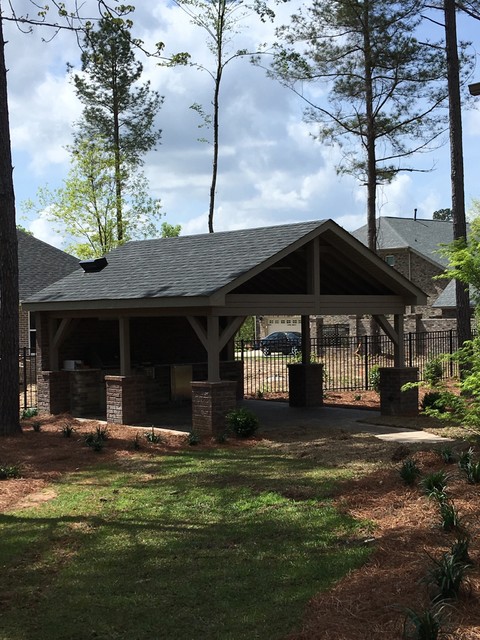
{"points": [[410, 349], [24, 356], [366, 361], [450, 352]]}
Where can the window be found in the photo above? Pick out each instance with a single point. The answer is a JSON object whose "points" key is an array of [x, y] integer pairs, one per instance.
{"points": [[32, 332]]}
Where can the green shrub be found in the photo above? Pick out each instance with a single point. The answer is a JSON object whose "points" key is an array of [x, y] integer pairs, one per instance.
{"points": [[193, 438], [435, 483], [374, 378], [94, 441], [424, 624], [152, 437], [436, 400], [472, 469], [460, 549], [37, 426], [447, 455], [446, 577], [409, 471], [8, 471], [31, 412], [242, 422], [102, 432], [433, 371], [466, 458], [67, 429], [449, 515]]}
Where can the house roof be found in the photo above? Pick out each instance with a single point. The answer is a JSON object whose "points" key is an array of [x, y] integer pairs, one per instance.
{"points": [[40, 264], [448, 298], [206, 267], [423, 236]]}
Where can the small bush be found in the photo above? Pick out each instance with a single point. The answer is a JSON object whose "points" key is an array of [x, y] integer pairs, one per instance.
{"points": [[242, 422], [67, 429], [434, 400], [423, 625], [409, 471], [446, 577], [460, 550], [449, 515], [8, 471], [94, 441], [466, 458], [152, 437], [433, 371], [102, 433], [472, 469], [193, 438], [435, 483], [447, 455], [31, 412], [374, 378], [37, 426]]}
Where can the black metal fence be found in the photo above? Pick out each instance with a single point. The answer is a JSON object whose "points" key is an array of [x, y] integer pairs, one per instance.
{"points": [[347, 361], [28, 379]]}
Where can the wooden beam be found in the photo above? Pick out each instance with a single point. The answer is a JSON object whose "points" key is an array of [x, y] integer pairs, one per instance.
{"points": [[213, 349], [200, 330], [125, 362]]}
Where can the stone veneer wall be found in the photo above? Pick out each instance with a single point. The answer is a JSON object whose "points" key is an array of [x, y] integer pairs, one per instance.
{"points": [[211, 401], [125, 399], [53, 392]]}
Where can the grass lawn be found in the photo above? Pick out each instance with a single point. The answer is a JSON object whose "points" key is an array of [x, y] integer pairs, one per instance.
{"points": [[202, 543]]}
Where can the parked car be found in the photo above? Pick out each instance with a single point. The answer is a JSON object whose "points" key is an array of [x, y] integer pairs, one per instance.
{"points": [[287, 342]]}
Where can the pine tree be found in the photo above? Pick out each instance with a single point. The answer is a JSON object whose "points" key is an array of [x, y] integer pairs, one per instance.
{"points": [[116, 107]]}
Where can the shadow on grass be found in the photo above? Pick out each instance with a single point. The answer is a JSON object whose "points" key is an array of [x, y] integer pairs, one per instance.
{"points": [[193, 545]]}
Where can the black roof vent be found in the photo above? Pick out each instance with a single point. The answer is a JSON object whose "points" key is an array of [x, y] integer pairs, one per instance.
{"points": [[94, 265]]}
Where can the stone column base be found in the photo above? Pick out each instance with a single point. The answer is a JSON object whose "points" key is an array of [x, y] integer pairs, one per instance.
{"points": [[211, 401], [125, 399], [393, 401], [53, 392], [305, 383], [85, 390]]}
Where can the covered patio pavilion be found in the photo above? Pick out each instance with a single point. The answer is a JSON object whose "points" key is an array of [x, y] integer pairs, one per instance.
{"points": [[120, 335]]}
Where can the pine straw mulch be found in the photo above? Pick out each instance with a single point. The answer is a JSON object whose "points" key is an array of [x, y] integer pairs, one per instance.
{"points": [[367, 603]]}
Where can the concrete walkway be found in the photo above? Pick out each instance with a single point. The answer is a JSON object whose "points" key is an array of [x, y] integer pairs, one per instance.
{"points": [[279, 415]]}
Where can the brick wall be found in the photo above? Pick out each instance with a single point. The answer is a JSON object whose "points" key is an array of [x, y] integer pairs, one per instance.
{"points": [[23, 328], [394, 401], [125, 399], [211, 401], [53, 392]]}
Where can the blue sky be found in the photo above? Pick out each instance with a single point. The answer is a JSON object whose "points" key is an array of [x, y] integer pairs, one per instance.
{"points": [[271, 171]]}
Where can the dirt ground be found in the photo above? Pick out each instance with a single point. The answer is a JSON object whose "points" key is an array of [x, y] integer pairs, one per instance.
{"points": [[405, 533]]}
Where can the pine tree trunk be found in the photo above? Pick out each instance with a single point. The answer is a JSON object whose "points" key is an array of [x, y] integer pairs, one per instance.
{"points": [[9, 376], [456, 159]]}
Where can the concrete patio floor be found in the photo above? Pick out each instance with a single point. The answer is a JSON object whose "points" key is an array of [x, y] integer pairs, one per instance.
{"points": [[275, 416]]}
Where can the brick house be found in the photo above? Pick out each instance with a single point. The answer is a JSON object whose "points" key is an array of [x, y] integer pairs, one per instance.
{"points": [[125, 333], [39, 265], [412, 247]]}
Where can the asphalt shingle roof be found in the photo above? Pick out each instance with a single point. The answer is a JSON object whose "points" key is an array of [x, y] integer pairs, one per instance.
{"points": [[173, 267], [40, 264], [423, 236]]}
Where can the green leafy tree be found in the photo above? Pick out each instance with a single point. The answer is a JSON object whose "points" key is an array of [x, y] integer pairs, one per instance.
{"points": [[71, 21], [84, 208], [443, 214], [381, 86], [116, 107]]}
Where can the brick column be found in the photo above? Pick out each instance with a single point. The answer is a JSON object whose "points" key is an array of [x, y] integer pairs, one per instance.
{"points": [[85, 390], [125, 399], [211, 401], [393, 401], [305, 384], [53, 389]]}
